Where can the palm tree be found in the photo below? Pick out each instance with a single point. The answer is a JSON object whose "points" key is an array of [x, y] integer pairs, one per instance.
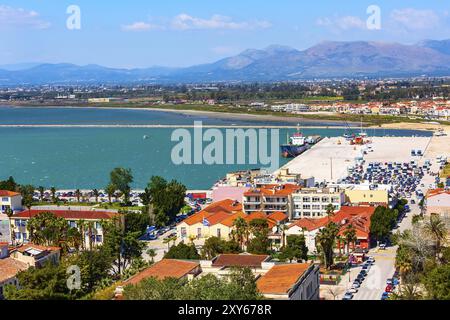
{"points": [[152, 254], [350, 236], [78, 195], [167, 241], [53, 192], [436, 229], [330, 211], [326, 239], [409, 291], [339, 240], [240, 232], [41, 193], [96, 194], [110, 190]]}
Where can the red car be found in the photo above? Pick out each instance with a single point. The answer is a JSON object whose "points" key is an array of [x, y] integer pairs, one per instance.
{"points": [[389, 288]]}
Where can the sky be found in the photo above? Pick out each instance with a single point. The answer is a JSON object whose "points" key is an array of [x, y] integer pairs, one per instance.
{"points": [[176, 33]]}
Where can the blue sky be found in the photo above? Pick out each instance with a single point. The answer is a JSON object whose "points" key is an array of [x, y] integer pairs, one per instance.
{"points": [[138, 33]]}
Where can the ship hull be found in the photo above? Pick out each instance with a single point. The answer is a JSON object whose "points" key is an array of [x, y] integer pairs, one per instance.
{"points": [[291, 151]]}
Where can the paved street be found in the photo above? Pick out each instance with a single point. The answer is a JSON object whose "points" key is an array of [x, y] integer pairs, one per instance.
{"points": [[375, 283]]}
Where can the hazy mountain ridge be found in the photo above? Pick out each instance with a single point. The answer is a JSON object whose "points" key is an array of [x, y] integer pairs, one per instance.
{"points": [[329, 59]]}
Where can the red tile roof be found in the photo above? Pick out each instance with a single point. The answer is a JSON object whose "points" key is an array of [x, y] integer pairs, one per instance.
{"points": [[5, 193], [278, 216], [273, 190], [358, 216], [10, 267], [281, 278], [435, 192], [25, 247], [166, 268], [68, 214], [215, 213], [239, 260]]}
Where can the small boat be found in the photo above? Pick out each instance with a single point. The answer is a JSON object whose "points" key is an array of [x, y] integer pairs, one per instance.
{"points": [[145, 137]]}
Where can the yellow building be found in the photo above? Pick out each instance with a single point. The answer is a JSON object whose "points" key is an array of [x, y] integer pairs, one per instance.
{"points": [[362, 195]]}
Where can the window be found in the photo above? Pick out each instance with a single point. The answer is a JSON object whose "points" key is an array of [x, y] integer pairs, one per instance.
{"points": [[99, 238], [18, 235], [199, 232], [306, 206], [24, 236], [306, 199], [98, 225], [316, 206], [72, 224], [315, 199], [5, 199], [325, 199], [183, 232], [218, 233]]}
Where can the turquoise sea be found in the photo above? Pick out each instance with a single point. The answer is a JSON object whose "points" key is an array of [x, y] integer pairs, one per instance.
{"points": [[70, 158]]}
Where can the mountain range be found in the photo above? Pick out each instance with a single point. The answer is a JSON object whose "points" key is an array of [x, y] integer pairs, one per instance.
{"points": [[326, 60]]}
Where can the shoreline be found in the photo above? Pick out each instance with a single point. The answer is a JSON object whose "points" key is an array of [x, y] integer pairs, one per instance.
{"points": [[333, 124]]}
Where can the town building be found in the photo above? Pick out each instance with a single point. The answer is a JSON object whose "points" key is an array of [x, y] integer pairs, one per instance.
{"points": [[217, 220], [166, 268], [36, 256], [438, 202], [5, 229], [356, 216], [221, 265], [16, 259], [74, 218], [299, 281], [270, 199], [313, 202], [368, 195], [10, 202]]}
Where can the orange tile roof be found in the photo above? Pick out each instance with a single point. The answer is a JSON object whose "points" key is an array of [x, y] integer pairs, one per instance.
{"points": [[260, 215], [281, 278], [239, 260], [27, 246], [309, 224], [273, 190], [230, 220], [435, 192], [10, 267], [215, 213], [69, 214], [278, 216], [6, 193], [166, 268]]}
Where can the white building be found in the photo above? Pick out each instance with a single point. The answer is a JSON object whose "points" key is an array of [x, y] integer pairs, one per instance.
{"points": [[10, 201], [313, 202]]}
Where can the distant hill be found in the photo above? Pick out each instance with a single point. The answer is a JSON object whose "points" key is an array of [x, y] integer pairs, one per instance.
{"points": [[274, 63]]}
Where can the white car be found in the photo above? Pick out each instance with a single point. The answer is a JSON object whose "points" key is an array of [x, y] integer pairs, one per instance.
{"points": [[353, 290]]}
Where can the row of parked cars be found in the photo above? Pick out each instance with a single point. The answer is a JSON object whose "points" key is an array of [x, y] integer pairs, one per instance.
{"points": [[391, 284], [359, 279]]}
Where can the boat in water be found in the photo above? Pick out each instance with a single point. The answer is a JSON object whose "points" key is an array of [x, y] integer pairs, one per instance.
{"points": [[297, 144]]}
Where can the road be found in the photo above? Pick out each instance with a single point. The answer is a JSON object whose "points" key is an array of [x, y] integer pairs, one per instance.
{"points": [[375, 283]]}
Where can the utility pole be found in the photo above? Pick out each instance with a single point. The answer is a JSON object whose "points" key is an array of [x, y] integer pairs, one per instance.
{"points": [[331, 168]]}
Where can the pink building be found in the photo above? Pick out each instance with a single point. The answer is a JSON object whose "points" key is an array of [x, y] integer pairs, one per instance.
{"points": [[227, 192], [438, 202]]}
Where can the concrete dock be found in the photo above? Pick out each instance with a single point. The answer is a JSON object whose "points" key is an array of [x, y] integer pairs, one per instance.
{"points": [[330, 158]]}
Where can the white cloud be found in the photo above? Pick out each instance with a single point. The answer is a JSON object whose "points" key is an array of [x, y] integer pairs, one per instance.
{"points": [[342, 23], [414, 19], [21, 18], [185, 22], [140, 26]]}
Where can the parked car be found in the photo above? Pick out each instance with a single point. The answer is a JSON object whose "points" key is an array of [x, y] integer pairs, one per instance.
{"points": [[382, 246], [356, 285], [389, 288], [348, 296], [385, 296], [353, 290]]}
